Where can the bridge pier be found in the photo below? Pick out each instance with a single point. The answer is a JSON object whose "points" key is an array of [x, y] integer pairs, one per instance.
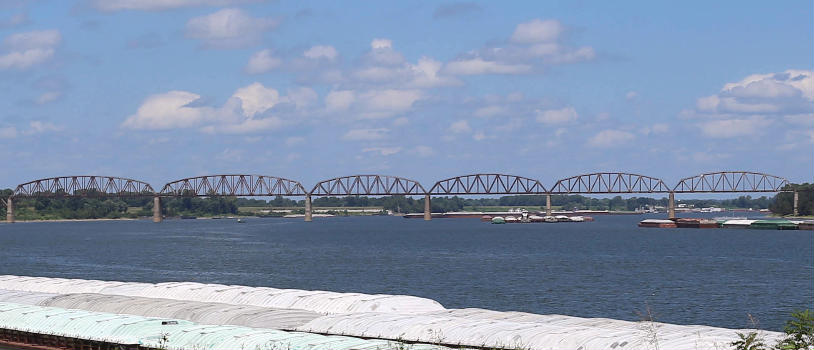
{"points": [[671, 206], [796, 199], [10, 210], [548, 205], [308, 215], [427, 208], [157, 217]]}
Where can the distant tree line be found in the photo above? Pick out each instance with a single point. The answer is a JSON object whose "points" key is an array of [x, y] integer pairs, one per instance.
{"points": [[94, 206], [783, 203]]}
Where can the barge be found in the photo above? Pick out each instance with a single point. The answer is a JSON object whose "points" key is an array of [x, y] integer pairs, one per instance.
{"points": [[657, 223]]}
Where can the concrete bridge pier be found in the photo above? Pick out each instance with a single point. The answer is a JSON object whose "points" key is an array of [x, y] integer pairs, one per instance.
{"points": [[308, 214], [157, 217], [548, 205], [427, 208], [671, 206], [796, 199], [10, 210]]}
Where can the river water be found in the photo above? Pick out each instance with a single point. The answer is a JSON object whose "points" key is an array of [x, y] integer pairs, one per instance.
{"points": [[606, 268]]}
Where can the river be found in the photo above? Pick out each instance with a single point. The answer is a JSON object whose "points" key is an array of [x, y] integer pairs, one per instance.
{"points": [[606, 268]]}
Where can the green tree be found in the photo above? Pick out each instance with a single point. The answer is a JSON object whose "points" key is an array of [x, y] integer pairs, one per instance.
{"points": [[799, 331]]}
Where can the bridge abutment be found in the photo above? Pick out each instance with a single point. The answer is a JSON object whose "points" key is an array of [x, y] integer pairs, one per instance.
{"points": [[796, 200], [308, 214], [427, 208], [9, 210], [157, 217], [671, 206], [548, 205]]}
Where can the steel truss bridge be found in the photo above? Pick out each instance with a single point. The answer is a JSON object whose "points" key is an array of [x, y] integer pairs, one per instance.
{"points": [[243, 185]]}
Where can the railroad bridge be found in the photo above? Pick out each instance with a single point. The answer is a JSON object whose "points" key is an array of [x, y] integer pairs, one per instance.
{"points": [[244, 185]]}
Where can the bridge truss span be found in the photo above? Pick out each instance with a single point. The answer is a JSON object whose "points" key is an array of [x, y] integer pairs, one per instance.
{"points": [[731, 181], [488, 184], [83, 186], [367, 185], [608, 183], [239, 185]]}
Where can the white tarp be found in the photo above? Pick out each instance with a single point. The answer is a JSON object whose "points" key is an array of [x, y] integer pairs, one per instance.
{"points": [[316, 301]]}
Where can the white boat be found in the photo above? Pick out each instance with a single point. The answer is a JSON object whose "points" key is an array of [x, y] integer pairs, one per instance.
{"points": [[577, 219], [511, 219], [549, 219], [562, 218]]}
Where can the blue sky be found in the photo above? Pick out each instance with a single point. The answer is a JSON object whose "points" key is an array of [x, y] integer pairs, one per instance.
{"points": [[159, 90]]}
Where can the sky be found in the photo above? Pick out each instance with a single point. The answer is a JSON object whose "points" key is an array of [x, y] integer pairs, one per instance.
{"points": [[159, 90]]}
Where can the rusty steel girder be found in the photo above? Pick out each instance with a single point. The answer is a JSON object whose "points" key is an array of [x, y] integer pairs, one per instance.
{"points": [[367, 185], [84, 186], [233, 185], [731, 181], [609, 183], [488, 184]]}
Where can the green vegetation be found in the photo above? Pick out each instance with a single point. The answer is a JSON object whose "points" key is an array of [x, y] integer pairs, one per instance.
{"points": [[784, 202], [799, 335]]}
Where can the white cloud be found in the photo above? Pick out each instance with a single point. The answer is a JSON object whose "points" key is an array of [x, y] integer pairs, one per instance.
{"points": [[244, 127], [746, 107], [610, 138], [384, 151], [33, 39], [800, 119], [386, 103], [294, 140], [536, 31], [240, 114], [27, 49], [8, 132], [167, 111], [631, 95], [321, 51], [490, 111], [261, 62], [37, 127], [476, 66], [381, 52], [256, 98], [479, 136], [48, 96], [303, 97], [461, 126], [231, 155], [423, 151], [228, 28], [381, 44], [366, 134], [786, 92], [532, 46], [727, 128], [557, 116], [160, 5], [339, 100], [14, 20], [401, 121]]}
